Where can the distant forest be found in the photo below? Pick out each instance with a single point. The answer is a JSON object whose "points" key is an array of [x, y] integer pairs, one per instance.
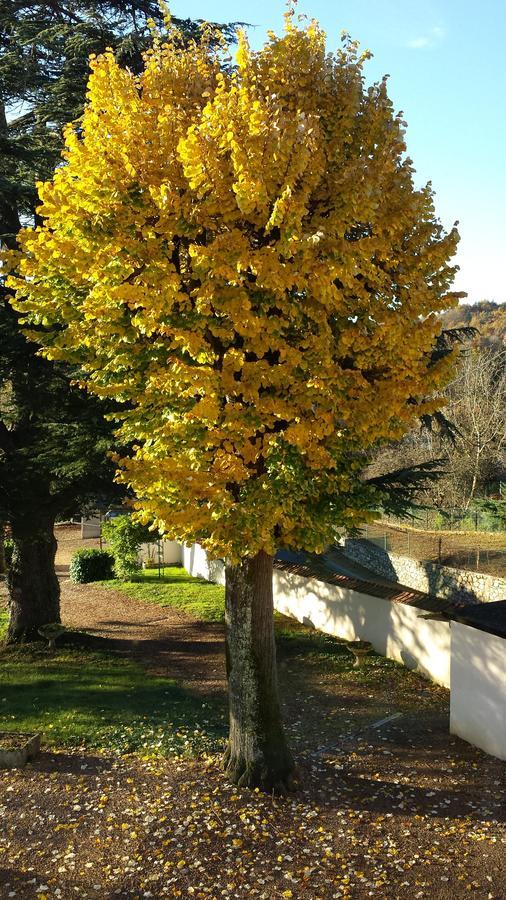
{"points": [[488, 317]]}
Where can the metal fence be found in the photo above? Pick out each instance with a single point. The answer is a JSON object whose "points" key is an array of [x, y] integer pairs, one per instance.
{"points": [[478, 551], [490, 520]]}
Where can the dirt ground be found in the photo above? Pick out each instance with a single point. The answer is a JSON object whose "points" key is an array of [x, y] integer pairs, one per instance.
{"points": [[394, 810]]}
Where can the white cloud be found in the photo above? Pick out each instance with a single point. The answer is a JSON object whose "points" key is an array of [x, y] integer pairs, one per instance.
{"points": [[419, 42], [431, 39]]}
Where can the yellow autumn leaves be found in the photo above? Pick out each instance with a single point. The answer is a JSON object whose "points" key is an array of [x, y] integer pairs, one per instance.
{"points": [[242, 257]]}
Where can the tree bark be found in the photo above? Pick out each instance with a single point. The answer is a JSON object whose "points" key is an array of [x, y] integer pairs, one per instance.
{"points": [[3, 565], [257, 754], [34, 589]]}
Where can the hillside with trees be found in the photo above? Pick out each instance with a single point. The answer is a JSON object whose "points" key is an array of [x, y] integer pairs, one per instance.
{"points": [[468, 437], [488, 317]]}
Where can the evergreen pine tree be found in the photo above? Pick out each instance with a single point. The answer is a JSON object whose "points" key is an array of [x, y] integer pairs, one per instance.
{"points": [[53, 437]]}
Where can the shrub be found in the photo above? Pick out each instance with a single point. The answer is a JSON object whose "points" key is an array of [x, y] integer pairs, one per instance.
{"points": [[91, 565], [8, 551], [125, 538]]}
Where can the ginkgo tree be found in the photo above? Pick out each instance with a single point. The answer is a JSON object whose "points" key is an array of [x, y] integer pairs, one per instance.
{"points": [[239, 254]]}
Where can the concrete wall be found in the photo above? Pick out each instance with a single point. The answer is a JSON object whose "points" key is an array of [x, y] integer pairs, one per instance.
{"points": [[441, 581], [171, 552], [478, 695], [91, 527], [196, 562], [396, 630], [472, 661]]}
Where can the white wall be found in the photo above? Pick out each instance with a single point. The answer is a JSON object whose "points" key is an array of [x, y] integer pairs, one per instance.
{"points": [[91, 527], [478, 695], [473, 661], [195, 561], [395, 630], [171, 552]]}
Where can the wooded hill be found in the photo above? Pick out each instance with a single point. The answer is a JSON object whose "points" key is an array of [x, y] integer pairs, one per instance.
{"points": [[488, 317]]}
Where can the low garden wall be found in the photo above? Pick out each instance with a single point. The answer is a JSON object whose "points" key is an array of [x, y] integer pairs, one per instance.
{"points": [[460, 585], [170, 553], [91, 527], [478, 695], [195, 560], [396, 630], [469, 659]]}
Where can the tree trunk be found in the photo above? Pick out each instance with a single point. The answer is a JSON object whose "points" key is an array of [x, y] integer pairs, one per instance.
{"points": [[257, 753], [34, 590], [3, 565]]}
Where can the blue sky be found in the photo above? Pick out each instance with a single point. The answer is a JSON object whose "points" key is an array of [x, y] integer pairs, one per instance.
{"points": [[447, 65]]}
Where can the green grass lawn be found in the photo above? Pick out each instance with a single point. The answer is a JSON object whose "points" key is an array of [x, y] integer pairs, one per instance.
{"points": [[178, 589], [76, 697], [81, 698]]}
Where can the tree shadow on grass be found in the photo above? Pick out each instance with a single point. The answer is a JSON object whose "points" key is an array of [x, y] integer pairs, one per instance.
{"points": [[97, 701], [164, 646]]}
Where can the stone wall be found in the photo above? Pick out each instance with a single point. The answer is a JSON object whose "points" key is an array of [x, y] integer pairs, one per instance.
{"points": [[460, 585]]}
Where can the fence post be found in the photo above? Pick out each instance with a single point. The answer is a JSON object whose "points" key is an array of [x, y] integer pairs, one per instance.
{"points": [[439, 549]]}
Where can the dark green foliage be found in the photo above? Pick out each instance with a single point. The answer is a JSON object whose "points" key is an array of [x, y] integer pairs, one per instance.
{"points": [[44, 53], [53, 438], [125, 537], [397, 488], [8, 551], [91, 565], [448, 339]]}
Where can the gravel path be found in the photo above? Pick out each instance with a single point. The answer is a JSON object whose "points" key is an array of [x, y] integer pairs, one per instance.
{"points": [[165, 640]]}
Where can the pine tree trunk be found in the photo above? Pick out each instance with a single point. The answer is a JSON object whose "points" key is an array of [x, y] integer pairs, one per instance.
{"points": [[257, 753], [34, 590]]}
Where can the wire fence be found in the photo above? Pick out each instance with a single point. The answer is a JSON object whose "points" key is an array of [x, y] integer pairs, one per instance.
{"points": [[488, 520], [479, 551]]}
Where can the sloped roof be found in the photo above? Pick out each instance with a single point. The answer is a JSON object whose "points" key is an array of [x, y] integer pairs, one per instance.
{"points": [[313, 566], [490, 617]]}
